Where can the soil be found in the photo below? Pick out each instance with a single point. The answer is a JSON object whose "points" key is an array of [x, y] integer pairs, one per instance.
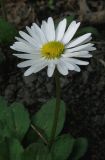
{"points": [[83, 93]]}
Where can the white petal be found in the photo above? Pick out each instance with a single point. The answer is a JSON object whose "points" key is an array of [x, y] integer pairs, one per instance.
{"points": [[76, 68], [22, 40], [28, 56], [87, 40], [85, 56], [62, 68], [29, 71], [81, 54], [48, 29], [79, 40], [29, 30], [70, 32], [22, 47], [67, 64], [25, 42], [50, 70], [36, 36], [26, 63], [61, 29], [28, 38], [51, 29], [74, 54], [43, 26], [44, 29], [91, 49], [35, 68], [39, 32], [81, 48], [79, 62], [33, 33]]}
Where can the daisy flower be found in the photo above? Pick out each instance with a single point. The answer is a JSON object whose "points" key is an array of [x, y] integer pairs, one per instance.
{"points": [[51, 47]]}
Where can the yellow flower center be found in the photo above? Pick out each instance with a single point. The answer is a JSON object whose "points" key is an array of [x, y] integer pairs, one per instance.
{"points": [[52, 49]]}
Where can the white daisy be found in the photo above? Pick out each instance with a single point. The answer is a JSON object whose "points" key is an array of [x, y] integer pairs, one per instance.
{"points": [[53, 48]]}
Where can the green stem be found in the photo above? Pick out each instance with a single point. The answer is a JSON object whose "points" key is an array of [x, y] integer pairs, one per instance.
{"points": [[4, 13], [57, 108]]}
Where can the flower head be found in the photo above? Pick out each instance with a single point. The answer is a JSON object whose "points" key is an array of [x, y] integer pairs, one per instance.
{"points": [[51, 47]]}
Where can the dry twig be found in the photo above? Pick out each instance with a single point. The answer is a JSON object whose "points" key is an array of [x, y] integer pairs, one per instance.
{"points": [[39, 134], [86, 14]]}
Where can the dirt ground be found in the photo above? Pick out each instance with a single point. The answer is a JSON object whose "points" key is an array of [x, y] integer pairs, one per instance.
{"points": [[83, 93]]}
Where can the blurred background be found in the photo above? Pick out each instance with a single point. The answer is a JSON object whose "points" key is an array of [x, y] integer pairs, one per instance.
{"points": [[84, 93]]}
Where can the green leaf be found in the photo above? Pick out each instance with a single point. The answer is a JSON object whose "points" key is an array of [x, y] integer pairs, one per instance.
{"points": [[7, 32], [14, 120], [3, 107], [2, 56], [3, 112], [15, 149], [51, 4], [84, 30], [36, 151], [3, 104], [43, 119], [63, 147], [20, 119], [80, 148], [31, 137], [3, 151], [10, 149], [70, 19]]}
